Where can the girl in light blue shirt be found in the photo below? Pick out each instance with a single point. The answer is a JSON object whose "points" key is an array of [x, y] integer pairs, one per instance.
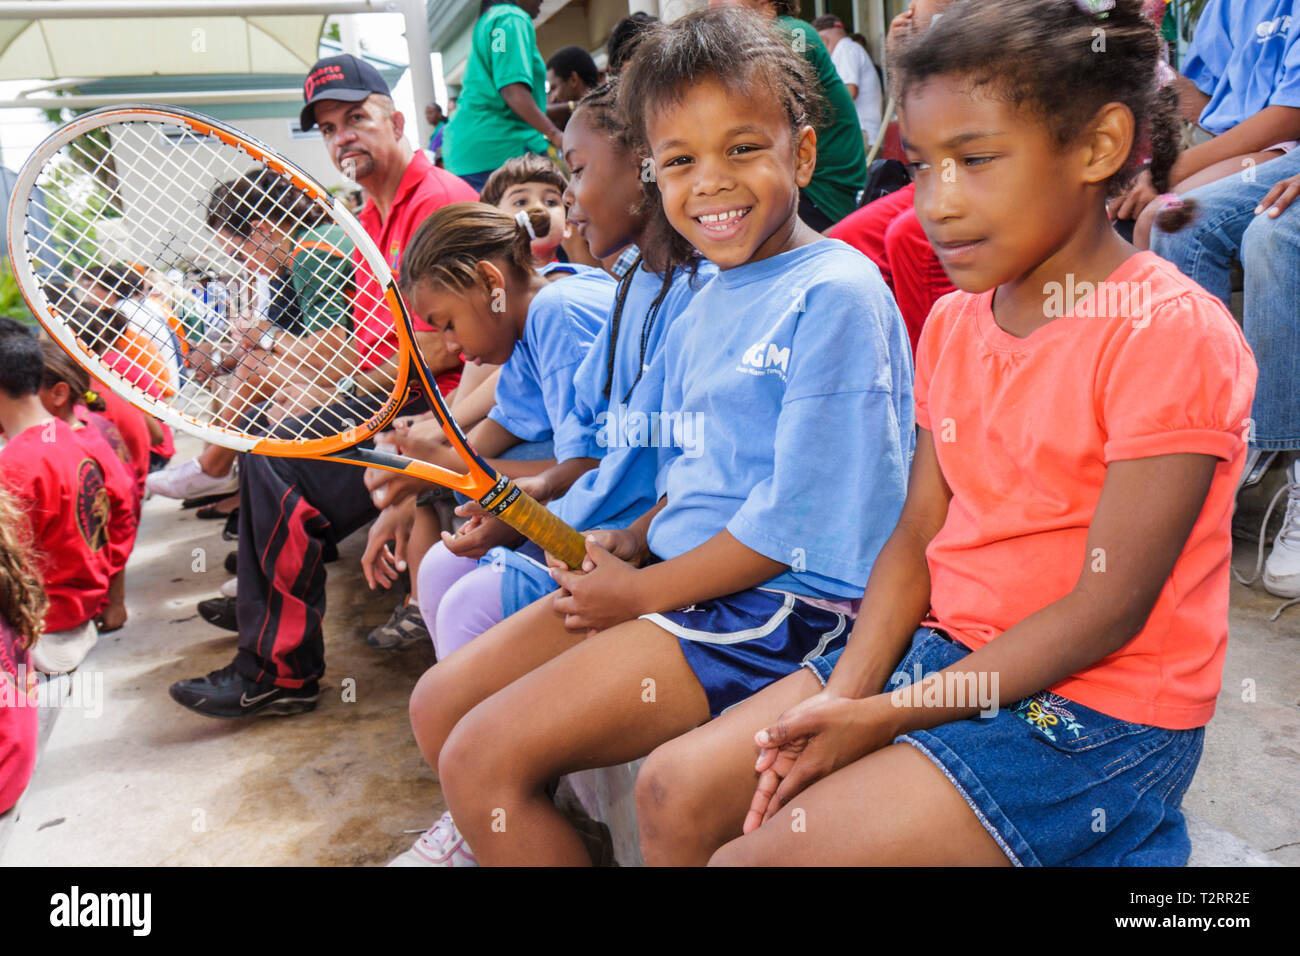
{"points": [[787, 395]]}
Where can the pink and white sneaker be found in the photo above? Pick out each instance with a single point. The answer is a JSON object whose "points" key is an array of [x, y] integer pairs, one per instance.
{"points": [[440, 845]]}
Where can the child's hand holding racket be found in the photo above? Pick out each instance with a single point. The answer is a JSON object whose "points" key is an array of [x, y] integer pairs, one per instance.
{"points": [[482, 532], [480, 535], [604, 592]]}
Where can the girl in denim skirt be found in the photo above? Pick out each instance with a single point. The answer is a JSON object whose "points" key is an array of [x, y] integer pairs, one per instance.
{"points": [[1057, 585]]}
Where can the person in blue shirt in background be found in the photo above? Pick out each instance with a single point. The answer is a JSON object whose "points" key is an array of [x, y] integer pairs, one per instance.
{"points": [[1240, 82], [793, 366]]}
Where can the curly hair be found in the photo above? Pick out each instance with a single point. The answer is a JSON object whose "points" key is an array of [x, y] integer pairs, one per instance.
{"points": [[22, 596]]}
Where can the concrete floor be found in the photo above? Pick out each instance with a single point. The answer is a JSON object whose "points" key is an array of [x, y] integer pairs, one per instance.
{"points": [[148, 783]]}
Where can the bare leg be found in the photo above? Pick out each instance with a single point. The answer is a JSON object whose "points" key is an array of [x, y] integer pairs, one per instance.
{"points": [[449, 689], [217, 461], [707, 777], [891, 808], [611, 698]]}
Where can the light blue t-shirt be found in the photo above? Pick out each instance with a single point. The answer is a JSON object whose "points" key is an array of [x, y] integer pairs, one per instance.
{"points": [[620, 430], [1245, 55], [535, 390], [792, 377]]}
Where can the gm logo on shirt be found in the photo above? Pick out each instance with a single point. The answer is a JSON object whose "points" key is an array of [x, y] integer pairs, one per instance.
{"points": [[765, 358], [1271, 28]]}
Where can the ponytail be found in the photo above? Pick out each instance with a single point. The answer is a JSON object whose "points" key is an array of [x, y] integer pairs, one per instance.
{"points": [[60, 368], [1176, 211], [449, 245]]}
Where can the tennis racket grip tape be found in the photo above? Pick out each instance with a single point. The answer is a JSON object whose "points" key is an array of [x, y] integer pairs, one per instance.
{"points": [[531, 519]]}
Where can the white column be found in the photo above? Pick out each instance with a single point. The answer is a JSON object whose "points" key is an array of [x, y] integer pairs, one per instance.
{"points": [[349, 35], [419, 52]]}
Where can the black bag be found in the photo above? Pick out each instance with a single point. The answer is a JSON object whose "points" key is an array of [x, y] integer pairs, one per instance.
{"points": [[884, 177]]}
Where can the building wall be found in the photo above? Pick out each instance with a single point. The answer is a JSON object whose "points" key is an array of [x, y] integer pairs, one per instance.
{"points": [[585, 24], [304, 149]]}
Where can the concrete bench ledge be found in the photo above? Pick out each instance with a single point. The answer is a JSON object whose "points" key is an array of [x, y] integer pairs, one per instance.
{"points": [[607, 795]]}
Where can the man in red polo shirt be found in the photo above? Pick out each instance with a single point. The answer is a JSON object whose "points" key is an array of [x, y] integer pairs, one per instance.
{"points": [[294, 512]]}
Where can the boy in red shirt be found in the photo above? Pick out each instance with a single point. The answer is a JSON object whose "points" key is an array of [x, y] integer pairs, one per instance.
{"points": [[62, 491], [65, 391]]}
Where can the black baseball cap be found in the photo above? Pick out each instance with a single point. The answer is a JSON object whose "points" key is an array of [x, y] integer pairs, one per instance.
{"points": [[343, 77]]}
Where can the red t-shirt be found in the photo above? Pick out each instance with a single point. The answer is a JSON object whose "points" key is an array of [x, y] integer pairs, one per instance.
{"points": [[119, 482], [424, 188], [1024, 430], [166, 446], [63, 495], [18, 717], [131, 428], [147, 381]]}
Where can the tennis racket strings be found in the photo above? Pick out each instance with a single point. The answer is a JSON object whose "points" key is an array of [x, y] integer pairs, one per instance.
{"points": [[131, 204]]}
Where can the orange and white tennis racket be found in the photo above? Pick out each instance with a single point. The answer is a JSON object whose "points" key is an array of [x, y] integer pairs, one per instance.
{"points": [[162, 190]]}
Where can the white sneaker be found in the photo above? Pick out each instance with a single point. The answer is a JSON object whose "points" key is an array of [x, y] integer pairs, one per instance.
{"points": [[61, 651], [440, 845], [188, 480], [229, 588], [1282, 569]]}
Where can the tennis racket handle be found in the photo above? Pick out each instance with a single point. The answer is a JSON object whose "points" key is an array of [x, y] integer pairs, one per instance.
{"points": [[531, 519]]}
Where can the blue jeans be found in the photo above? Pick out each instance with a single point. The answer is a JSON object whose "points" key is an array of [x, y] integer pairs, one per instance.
{"points": [[1226, 228], [1056, 783]]}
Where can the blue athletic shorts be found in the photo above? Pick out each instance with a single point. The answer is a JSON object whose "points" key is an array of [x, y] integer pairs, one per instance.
{"points": [[738, 644], [524, 575], [1056, 783]]}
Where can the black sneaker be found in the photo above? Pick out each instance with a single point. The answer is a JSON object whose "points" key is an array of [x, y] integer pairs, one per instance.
{"points": [[226, 693], [232, 563], [203, 500], [404, 628], [220, 611]]}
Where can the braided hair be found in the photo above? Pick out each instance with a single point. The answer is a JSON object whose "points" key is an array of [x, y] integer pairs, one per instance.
{"points": [[600, 107]]}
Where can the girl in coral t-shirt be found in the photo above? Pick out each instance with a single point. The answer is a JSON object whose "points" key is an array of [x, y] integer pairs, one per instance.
{"points": [[1057, 585]]}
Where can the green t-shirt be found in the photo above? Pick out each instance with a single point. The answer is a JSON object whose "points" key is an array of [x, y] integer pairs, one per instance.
{"points": [[484, 132], [321, 273], [841, 158]]}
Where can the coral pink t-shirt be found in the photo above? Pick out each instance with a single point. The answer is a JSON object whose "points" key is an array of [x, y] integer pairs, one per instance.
{"points": [[1024, 430]]}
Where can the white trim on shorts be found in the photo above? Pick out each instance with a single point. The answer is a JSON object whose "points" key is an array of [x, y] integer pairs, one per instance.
{"points": [[829, 636], [736, 637]]}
